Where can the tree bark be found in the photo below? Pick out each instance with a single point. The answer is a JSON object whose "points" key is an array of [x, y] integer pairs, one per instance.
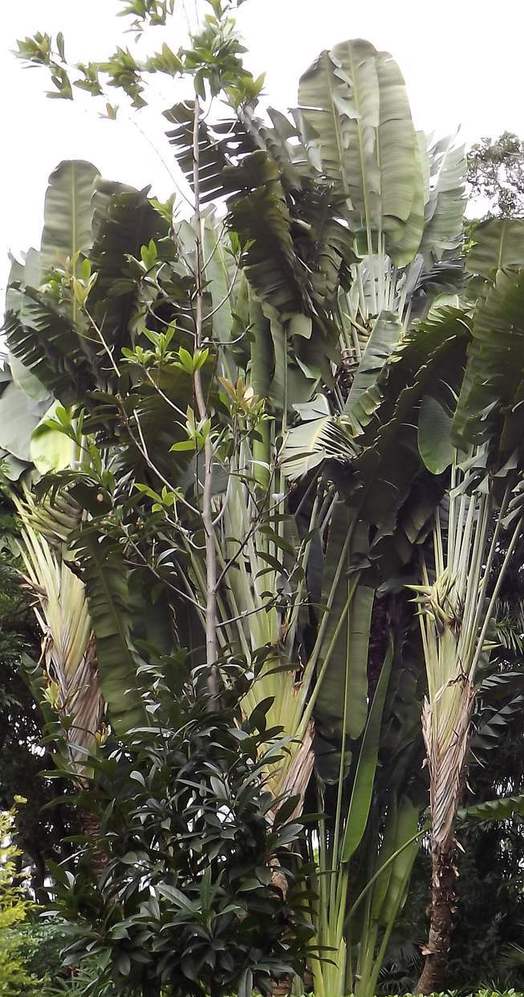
{"points": [[96, 853], [213, 677], [443, 896]]}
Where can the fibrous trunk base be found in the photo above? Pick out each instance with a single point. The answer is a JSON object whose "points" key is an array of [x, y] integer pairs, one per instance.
{"points": [[443, 896]]}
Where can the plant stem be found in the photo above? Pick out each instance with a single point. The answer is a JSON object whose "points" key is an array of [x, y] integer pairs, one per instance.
{"points": [[207, 509]]}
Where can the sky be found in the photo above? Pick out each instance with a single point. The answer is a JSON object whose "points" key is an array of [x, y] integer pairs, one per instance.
{"points": [[462, 62]]}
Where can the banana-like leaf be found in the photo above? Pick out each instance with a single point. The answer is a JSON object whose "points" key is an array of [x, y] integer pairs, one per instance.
{"points": [[110, 606], [342, 700], [51, 450], [364, 392], [385, 859], [444, 213], [490, 405], [282, 143], [42, 336], [20, 274], [47, 344], [356, 124], [313, 442], [502, 809], [218, 147], [429, 359], [406, 830], [259, 214], [493, 724], [19, 415], [323, 241], [67, 214], [220, 278], [362, 792], [129, 223], [434, 435], [499, 242], [397, 854]]}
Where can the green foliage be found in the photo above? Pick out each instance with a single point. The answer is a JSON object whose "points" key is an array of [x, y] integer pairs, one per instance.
{"points": [[185, 895], [213, 58], [15, 978]]}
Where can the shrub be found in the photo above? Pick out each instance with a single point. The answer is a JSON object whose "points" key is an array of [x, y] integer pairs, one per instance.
{"points": [[16, 980]]}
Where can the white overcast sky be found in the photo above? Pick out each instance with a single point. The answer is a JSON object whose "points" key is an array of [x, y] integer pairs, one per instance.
{"points": [[462, 60]]}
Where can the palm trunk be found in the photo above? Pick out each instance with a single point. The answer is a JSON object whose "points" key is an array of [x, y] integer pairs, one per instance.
{"points": [[447, 773], [443, 896]]}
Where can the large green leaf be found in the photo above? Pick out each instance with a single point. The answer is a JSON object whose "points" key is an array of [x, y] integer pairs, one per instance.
{"points": [[46, 342], [428, 361], [51, 450], [490, 402], [219, 277], [21, 274], [316, 439], [126, 221], [444, 211], [19, 415], [219, 146], [323, 241], [342, 700], [384, 338], [112, 612], [362, 792], [501, 809], [434, 435], [356, 124], [259, 214], [498, 242], [68, 213], [407, 849]]}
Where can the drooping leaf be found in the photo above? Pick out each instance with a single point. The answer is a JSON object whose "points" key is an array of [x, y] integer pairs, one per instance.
{"points": [[47, 344], [490, 405], [384, 338], [444, 211], [21, 274], [312, 442], [126, 222], [429, 359], [434, 435], [500, 809], [499, 242], [218, 148], [19, 415], [259, 214], [111, 610]]}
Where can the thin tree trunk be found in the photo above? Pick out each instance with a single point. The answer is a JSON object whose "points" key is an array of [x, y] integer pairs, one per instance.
{"points": [[213, 679], [443, 896], [97, 855]]}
